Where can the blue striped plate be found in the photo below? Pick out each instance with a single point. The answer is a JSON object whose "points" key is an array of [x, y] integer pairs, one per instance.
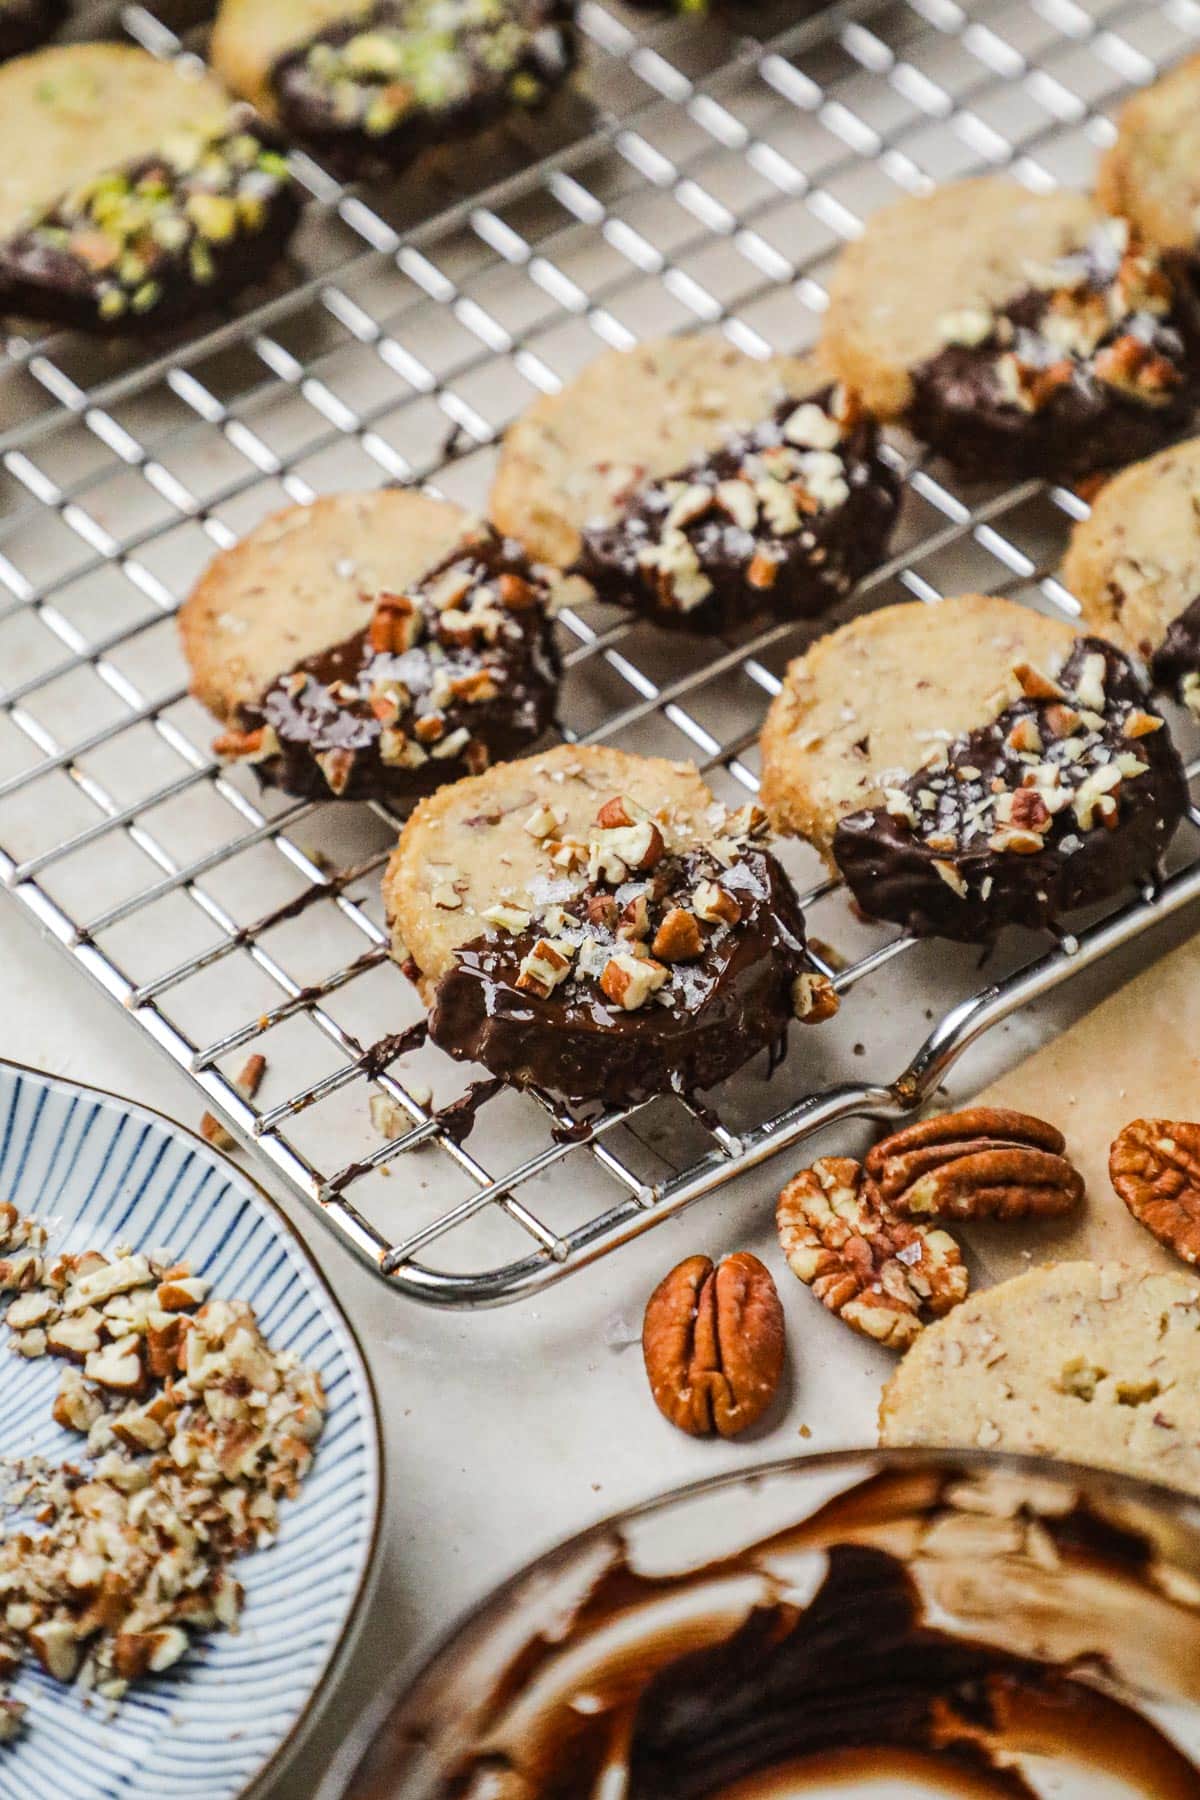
{"points": [[102, 1171]]}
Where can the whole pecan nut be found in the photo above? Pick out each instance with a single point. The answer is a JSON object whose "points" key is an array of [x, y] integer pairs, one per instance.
{"points": [[984, 1163], [713, 1341], [1154, 1165], [884, 1276]]}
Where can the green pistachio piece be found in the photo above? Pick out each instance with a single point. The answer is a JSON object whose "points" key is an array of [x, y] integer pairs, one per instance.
{"points": [[148, 295], [200, 257], [112, 303], [214, 216], [272, 163], [374, 53], [525, 88]]}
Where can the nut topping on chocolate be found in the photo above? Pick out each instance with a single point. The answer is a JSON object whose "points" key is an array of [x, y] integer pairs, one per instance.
{"points": [[441, 682], [145, 241], [1091, 365], [1154, 1165], [789, 515], [882, 1275], [692, 935], [1072, 792], [713, 1343], [372, 91], [986, 1162]]}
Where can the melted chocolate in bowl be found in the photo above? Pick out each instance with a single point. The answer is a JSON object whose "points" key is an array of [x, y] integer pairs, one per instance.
{"points": [[879, 1625]]}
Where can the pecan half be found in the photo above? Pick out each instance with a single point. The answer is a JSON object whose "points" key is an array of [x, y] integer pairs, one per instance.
{"points": [[713, 1342], [1154, 1165], [884, 1276], [985, 1163]]}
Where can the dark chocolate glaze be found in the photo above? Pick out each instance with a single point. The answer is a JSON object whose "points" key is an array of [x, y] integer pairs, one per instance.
{"points": [[492, 85], [890, 865], [855, 1669], [24, 24], [855, 1683], [961, 408], [720, 1009], [317, 718], [813, 565], [43, 277], [1178, 656]]}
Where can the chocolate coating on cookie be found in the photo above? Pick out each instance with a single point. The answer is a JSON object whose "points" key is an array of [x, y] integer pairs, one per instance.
{"points": [[158, 238], [459, 672], [662, 968], [1093, 366], [1069, 795], [784, 517], [24, 24], [370, 92], [1175, 665]]}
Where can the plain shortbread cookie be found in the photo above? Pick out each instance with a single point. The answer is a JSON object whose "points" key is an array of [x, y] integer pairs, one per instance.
{"points": [[1093, 1362]]}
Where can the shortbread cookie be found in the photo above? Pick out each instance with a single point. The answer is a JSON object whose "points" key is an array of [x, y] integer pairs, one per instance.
{"points": [[132, 192], [970, 765], [594, 923], [372, 645], [783, 517], [1151, 173], [1092, 1362], [24, 24], [1016, 333], [633, 416], [1134, 566], [369, 86]]}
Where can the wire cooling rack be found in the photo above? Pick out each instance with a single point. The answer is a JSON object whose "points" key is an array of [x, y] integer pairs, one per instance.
{"points": [[697, 176]]}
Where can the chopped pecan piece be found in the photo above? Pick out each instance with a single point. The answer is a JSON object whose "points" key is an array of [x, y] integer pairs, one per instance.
{"points": [[713, 1342], [884, 1276], [985, 1163], [1154, 1165]]}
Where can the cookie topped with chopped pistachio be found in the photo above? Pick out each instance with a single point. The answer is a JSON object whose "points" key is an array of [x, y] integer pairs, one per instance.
{"points": [[150, 197], [368, 88]]}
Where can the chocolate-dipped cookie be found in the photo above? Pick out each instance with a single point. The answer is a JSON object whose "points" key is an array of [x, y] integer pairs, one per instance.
{"points": [[372, 646], [1134, 566], [1018, 334], [133, 194], [1150, 174], [24, 24], [369, 86], [700, 486], [594, 923], [971, 765]]}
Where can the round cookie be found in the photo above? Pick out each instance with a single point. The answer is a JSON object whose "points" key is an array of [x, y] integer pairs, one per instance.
{"points": [[372, 645], [594, 923], [149, 196], [1134, 566], [1094, 1362], [1151, 173], [1018, 334], [368, 86], [971, 764], [24, 24], [631, 416]]}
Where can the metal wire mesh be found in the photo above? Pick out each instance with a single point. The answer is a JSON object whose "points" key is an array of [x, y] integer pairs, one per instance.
{"points": [[700, 176]]}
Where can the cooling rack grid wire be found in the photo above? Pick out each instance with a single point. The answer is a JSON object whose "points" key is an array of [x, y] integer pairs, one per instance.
{"points": [[700, 177]]}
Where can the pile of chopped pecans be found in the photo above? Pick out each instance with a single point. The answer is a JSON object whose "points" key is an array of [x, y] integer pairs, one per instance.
{"points": [[1104, 319], [194, 1431]]}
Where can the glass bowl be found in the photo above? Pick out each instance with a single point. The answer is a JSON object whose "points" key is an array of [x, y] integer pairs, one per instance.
{"points": [[891, 1624]]}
